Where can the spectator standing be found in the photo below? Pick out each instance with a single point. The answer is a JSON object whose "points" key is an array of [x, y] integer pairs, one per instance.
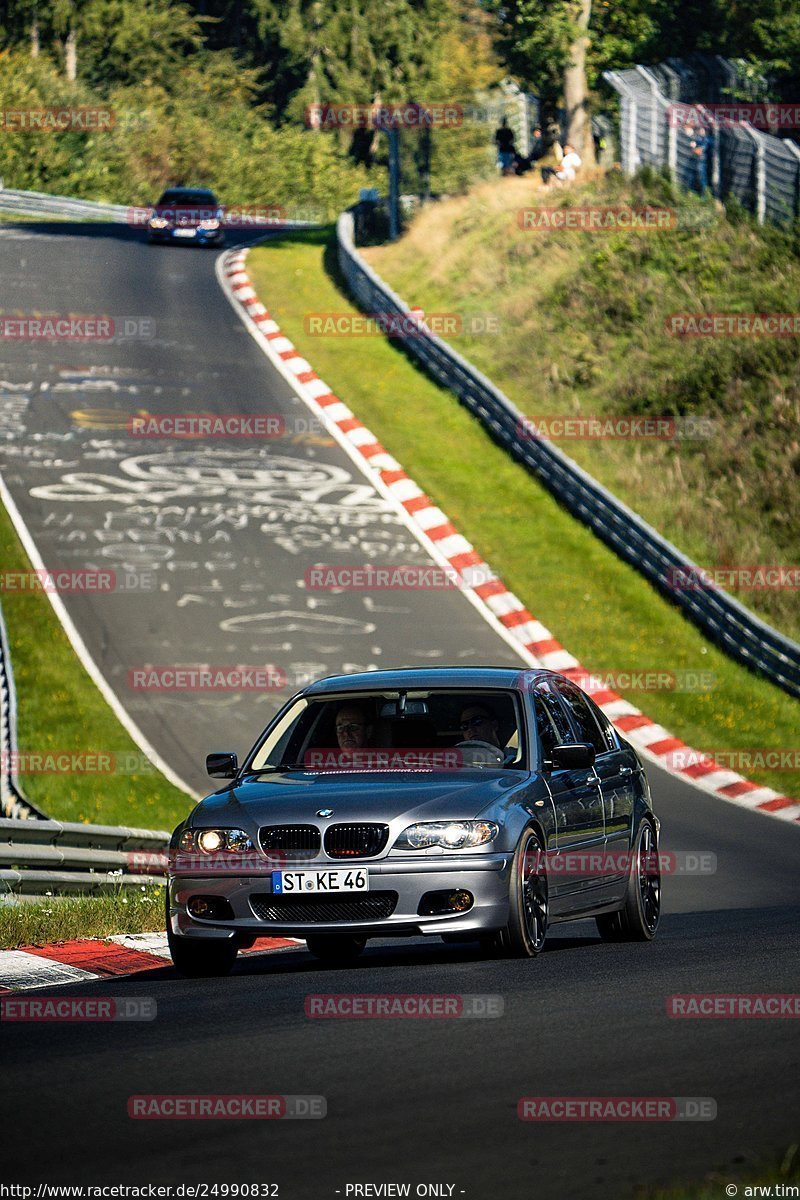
{"points": [[506, 150], [699, 145]]}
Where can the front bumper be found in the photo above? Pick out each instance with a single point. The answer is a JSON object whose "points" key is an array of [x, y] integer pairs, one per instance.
{"points": [[485, 877], [188, 236]]}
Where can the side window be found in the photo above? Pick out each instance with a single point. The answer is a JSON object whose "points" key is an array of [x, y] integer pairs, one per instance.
{"points": [[583, 718], [606, 728], [547, 734], [551, 722]]}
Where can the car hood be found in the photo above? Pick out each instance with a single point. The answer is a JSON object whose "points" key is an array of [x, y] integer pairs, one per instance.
{"points": [[187, 214], [297, 797]]}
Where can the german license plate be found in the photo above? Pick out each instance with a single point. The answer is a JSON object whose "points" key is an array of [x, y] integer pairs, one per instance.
{"points": [[184, 232], [296, 882]]}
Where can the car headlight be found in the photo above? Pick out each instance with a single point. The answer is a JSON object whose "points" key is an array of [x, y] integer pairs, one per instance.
{"points": [[212, 224], [158, 222], [214, 841], [450, 835]]}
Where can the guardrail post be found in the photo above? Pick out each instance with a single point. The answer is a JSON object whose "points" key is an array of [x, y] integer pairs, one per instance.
{"points": [[655, 96], [761, 174], [394, 183], [672, 146], [631, 155], [795, 150]]}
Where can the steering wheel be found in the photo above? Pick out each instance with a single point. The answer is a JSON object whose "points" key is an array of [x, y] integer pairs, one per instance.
{"points": [[482, 753]]}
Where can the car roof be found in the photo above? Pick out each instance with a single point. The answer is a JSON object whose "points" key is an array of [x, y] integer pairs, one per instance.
{"points": [[188, 191], [428, 677]]}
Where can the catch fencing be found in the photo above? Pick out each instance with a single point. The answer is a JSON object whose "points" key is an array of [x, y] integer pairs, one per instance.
{"points": [[760, 169]]}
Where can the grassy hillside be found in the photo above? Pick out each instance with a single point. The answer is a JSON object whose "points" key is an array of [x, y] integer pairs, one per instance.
{"points": [[581, 331], [61, 710], [601, 609]]}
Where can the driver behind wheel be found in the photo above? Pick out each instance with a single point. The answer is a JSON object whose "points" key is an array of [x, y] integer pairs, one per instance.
{"points": [[480, 727]]}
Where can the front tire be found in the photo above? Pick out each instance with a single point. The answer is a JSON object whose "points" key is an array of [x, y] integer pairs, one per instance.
{"points": [[336, 949], [529, 908], [638, 920], [198, 958]]}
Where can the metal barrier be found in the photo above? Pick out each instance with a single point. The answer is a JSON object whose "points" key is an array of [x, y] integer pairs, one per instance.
{"points": [[722, 618], [52, 856], [760, 170], [40, 203]]}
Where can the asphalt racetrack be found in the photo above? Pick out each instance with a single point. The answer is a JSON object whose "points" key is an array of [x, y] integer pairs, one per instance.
{"points": [[227, 531]]}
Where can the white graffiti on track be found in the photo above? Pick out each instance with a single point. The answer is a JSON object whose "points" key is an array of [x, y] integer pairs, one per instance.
{"points": [[255, 477], [288, 621]]}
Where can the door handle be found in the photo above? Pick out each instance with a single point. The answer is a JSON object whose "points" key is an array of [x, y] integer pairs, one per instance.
{"points": [[626, 770]]}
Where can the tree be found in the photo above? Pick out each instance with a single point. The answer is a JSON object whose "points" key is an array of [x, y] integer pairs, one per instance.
{"points": [[557, 48]]}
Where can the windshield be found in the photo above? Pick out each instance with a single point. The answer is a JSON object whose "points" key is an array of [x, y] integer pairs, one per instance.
{"points": [[189, 199], [396, 731]]}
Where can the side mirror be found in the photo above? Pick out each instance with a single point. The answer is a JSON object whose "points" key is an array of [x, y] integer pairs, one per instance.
{"points": [[573, 756], [222, 766]]}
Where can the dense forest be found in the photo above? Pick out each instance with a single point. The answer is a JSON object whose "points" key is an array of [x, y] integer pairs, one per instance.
{"points": [[217, 91]]}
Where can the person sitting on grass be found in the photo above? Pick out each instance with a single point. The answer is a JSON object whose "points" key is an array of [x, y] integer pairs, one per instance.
{"points": [[566, 170]]}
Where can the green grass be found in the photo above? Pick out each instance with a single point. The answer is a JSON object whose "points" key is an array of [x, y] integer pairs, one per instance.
{"points": [[597, 606], [62, 918], [746, 1177], [582, 332], [60, 709]]}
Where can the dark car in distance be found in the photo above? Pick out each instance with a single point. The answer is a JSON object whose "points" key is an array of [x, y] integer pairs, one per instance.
{"points": [[469, 803], [192, 216]]}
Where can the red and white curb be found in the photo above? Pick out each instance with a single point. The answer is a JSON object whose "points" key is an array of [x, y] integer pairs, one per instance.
{"points": [[88, 959], [504, 611]]}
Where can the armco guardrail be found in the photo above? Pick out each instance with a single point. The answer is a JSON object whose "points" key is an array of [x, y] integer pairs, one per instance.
{"points": [[52, 856], [41, 204], [732, 626]]}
